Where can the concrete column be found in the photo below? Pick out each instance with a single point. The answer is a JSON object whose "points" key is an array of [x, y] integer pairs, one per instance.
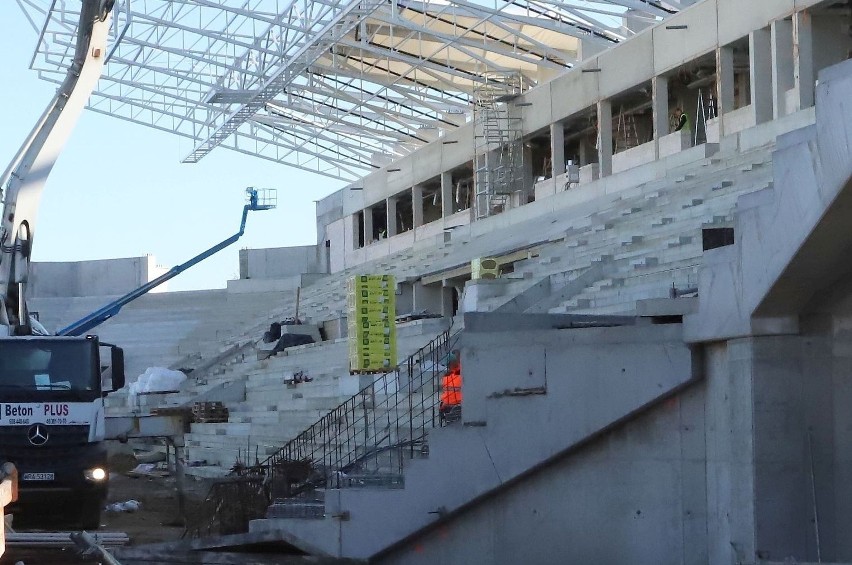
{"points": [[368, 226], [782, 65], [605, 137], [557, 148], [446, 300], [583, 153], [391, 213], [803, 60], [660, 109], [428, 298], [790, 392], [405, 298], [760, 49], [446, 194], [660, 105], [743, 89], [725, 79], [351, 231], [417, 205]]}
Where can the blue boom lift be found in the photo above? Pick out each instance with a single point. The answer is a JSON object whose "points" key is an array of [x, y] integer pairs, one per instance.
{"points": [[258, 199]]}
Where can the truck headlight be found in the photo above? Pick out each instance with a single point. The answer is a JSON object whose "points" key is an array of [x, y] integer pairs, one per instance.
{"points": [[96, 474]]}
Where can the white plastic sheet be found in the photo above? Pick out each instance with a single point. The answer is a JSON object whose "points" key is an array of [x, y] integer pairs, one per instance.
{"points": [[154, 379]]}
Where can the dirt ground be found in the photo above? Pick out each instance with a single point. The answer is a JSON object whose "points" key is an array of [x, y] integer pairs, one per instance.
{"points": [[157, 520]]}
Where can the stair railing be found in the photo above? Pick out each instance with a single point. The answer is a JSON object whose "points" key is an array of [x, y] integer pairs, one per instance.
{"points": [[365, 440], [361, 442]]}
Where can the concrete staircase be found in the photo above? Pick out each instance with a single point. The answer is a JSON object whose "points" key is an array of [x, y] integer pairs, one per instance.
{"points": [[276, 407], [647, 222], [468, 460], [634, 247], [158, 328]]}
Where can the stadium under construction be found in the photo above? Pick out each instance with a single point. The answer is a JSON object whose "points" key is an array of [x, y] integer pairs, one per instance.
{"points": [[617, 225]]}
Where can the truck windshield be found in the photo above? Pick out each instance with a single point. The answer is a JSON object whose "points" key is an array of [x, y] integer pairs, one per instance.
{"points": [[48, 365]]}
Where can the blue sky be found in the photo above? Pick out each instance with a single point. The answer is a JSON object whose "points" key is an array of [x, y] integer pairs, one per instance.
{"points": [[119, 189]]}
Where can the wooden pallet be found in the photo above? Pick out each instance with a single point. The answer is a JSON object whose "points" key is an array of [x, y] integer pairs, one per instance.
{"points": [[171, 411]]}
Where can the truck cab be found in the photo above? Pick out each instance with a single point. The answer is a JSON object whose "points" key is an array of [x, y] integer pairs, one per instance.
{"points": [[52, 426]]}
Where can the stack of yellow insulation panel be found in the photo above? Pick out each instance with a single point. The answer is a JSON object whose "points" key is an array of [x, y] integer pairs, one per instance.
{"points": [[372, 323]]}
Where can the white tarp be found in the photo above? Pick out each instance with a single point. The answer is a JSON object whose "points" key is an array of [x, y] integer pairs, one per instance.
{"points": [[155, 379]]}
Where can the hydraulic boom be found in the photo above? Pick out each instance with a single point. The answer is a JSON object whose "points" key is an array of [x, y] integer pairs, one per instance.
{"points": [[24, 179], [52, 388], [263, 200]]}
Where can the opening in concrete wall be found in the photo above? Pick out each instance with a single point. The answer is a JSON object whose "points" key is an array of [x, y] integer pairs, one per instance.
{"points": [[742, 73], [380, 222], [404, 212], [691, 88], [432, 204], [541, 159], [632, 118], [462, 180], [580, 138], [359, 229]]}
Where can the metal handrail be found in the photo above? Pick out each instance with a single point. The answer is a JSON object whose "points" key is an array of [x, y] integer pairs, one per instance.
{"points": [[363, 440], [370, 433]]}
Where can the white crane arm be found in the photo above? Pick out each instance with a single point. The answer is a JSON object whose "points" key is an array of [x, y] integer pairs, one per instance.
{"points": [[26, 175]]}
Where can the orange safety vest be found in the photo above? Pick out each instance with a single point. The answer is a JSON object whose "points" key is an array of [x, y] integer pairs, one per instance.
{"points": [[451, 389]]}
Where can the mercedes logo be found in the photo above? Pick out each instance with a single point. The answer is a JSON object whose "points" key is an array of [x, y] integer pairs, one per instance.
{"points": [[37, 434]]}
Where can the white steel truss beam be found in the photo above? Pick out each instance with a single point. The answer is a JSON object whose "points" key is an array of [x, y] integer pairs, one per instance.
{"points": [[321, 85]]}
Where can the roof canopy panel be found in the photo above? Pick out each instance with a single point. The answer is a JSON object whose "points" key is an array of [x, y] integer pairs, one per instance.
{"points": [[330, 86]]}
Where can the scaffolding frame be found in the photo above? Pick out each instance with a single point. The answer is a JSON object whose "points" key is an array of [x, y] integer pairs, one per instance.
{"points": [[498, 144]]}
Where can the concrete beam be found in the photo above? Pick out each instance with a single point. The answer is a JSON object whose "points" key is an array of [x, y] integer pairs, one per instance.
{"points": [[660, 108], [463, 269], [557, 149], [446, 194], [417, 205], [393, 229], [725, 81], [368, 226]]}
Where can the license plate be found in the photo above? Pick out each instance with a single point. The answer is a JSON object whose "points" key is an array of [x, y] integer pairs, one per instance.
{"points": [[37, 477]]}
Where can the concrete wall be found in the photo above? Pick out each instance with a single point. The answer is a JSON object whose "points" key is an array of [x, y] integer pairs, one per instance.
{"points": [[281, 262], [830, 47], [748, 464], [616, 501], [790, 238], [695, 32], [528, 397], [335, 234], [93, 278]]}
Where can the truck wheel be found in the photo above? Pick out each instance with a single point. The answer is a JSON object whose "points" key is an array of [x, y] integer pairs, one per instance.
{"points": [[90, 514]]}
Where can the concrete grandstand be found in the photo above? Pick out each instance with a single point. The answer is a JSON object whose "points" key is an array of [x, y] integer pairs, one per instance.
{"points": [[660, 374]]}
